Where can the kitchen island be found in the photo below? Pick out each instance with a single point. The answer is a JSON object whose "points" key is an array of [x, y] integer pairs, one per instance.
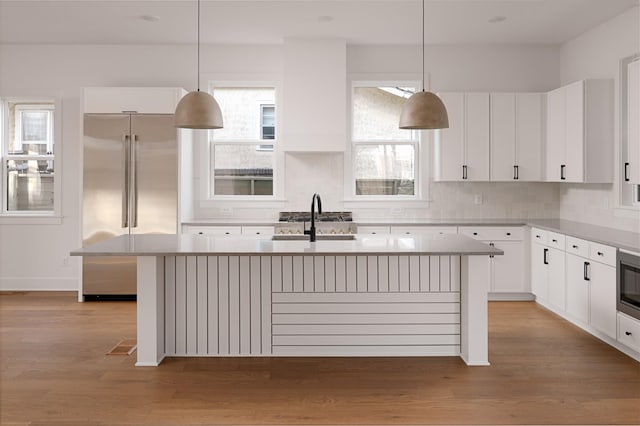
{"points": [[394, 295]]}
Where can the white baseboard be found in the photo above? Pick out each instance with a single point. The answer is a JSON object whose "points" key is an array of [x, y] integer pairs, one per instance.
{"points": [[38, 284], [515, 297]]}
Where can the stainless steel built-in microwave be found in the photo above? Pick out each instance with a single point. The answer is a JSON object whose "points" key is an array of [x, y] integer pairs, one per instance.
{"points": [[628, 284]]}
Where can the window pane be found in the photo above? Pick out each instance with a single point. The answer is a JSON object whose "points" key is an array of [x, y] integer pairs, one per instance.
{"points": [[385, 169], [34, 126], [30, 185], [242, 170], [376, 112], [242, 112]]}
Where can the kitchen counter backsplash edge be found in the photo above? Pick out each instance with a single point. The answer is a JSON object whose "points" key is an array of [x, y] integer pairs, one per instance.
{"points": [[599, 234]]}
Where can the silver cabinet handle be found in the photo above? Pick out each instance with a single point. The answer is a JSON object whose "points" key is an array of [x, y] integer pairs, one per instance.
{"points": [[126, 157], [134, 180]]}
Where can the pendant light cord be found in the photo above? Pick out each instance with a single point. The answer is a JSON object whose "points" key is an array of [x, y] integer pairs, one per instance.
{"points": [[422, 45], [198, 68]]}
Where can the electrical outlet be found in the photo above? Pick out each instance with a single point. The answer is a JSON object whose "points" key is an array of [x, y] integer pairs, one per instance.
{"points": [[226, 211], [397, 211], [477, 199], [65, 262]]}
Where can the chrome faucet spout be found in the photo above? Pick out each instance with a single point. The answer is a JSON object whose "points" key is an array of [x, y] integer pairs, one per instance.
{"points": [[312, 228]]}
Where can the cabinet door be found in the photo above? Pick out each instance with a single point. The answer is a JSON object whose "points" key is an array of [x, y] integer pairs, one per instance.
{"points": [[555, 146], [574, 117], [539, 272], [578, 287], [602, 315], [508, 269], [633, 156], [557, 286], [503, 136], [374, 230], [529, 137], [477, 136], [449, 143]]}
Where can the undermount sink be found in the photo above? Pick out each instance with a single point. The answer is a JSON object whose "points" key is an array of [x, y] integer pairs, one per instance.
{"points": [[302, 237]]}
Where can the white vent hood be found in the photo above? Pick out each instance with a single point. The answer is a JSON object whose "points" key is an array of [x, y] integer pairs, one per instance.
{"points": [[315, 95]]}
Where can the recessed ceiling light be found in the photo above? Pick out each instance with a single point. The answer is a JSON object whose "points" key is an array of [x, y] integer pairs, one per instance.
{"points": [[150, 18], [496, 19], [325, 18]]}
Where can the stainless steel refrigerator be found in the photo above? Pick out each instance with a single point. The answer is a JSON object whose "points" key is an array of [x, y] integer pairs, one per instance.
{"points": [[130, 186]]}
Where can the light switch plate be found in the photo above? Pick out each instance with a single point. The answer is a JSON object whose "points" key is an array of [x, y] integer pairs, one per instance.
{"points": [[477, 199]]}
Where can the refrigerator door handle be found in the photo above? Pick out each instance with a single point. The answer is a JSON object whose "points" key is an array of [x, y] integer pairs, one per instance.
{"points": [[134, 180], [125, 193]]}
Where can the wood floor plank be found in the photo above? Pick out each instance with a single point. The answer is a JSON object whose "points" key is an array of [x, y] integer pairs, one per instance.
{"points": [[54, 371]]}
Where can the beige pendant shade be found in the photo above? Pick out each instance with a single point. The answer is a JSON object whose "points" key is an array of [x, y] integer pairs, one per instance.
{"points": [[198, 110], [424, 110]]}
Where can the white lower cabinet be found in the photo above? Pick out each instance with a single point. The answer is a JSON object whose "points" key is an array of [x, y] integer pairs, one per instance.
{"points": [[373, 230], [508, 279], [556, 282], [424, 230], [212, 230], [603, 299], [578, 288], [578, 283], [629, 331]]}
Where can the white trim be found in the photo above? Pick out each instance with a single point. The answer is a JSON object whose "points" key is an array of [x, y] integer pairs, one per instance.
{"points": [[42, 217], [39, 284], [420, 141]]}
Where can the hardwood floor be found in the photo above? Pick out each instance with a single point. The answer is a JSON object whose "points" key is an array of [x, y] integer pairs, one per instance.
{"points": [[54, 371]]}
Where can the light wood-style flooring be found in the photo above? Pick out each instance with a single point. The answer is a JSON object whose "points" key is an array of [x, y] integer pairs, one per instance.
{"points": [[54, 371]]}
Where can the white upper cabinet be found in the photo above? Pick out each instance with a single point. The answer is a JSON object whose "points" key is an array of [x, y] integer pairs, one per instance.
{"points": [[516, 136], [462, 150], [144, 100], [315, 95], [579, 146], [632, 166]]}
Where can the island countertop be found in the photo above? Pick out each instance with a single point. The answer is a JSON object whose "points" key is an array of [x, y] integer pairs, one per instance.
{"points": [[189, 244]]}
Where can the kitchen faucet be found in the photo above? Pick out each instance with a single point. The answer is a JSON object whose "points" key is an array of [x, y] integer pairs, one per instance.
{"points": [[312, 230]]}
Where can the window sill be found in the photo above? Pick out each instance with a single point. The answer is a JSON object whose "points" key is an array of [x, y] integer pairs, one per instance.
{"points": [[244, 202], [24, 219], [385, 202]]}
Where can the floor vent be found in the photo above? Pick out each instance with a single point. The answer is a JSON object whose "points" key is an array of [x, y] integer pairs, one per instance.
{"points": [[124, 347]]}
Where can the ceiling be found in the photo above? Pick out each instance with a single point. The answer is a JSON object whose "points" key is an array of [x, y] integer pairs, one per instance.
{"points": [[376, 22]]}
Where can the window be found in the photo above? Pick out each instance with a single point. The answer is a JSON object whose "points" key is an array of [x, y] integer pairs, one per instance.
{"points": [[385, 158], [242, 153], [28, 146]]}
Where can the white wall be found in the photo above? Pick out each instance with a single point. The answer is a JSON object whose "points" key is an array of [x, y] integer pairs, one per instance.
{"points": [[597, 54], [32, 257]]}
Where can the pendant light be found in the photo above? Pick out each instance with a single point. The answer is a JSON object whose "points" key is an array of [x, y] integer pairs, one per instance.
{"points": [[424, 110], [198, 110]]}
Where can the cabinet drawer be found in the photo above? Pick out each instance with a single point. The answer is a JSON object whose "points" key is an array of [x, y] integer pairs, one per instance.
{"points": [[556, 240], [258, 230], [577, 246], [629, 332], [424, 230], [214, 230], [539, 236], [373, 230], [602, 253], [486, 233]]}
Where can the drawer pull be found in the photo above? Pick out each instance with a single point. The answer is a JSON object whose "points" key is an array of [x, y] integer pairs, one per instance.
{"points": [[628, 333], [226, 233], [200, 233], [508, 233], [374, 232], [538, 236], [555, 241], [574, 246], [600, 253], [475, 233]]}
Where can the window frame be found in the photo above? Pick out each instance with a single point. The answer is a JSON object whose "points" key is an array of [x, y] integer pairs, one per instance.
{"points": [[419, 141], [207, 143], [54, 145]]}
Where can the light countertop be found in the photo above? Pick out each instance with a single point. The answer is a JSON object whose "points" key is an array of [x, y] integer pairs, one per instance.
{"points": [[188, 244]]}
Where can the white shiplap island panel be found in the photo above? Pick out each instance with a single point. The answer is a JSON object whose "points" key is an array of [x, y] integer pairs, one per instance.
{"points": [[377, 296]]}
